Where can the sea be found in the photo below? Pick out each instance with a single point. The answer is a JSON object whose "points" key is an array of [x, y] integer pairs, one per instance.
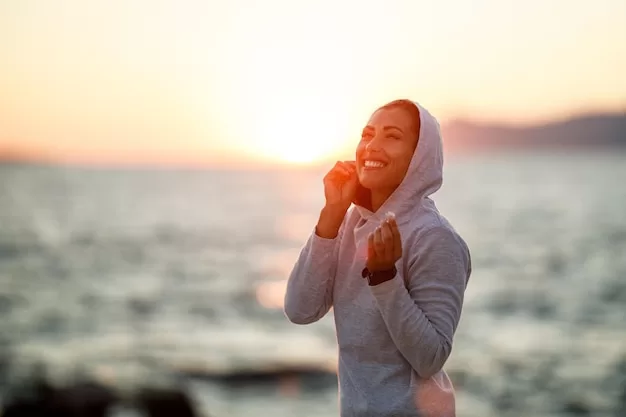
{"points": [[143, 274]]}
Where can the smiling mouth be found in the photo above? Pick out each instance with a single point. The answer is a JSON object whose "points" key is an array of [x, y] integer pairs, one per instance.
{"points": [[371, 164]]}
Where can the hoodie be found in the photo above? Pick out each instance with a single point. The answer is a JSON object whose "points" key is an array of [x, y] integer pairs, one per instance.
{"points": [[395, 337]]}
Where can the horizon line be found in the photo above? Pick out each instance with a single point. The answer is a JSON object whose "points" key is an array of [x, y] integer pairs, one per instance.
{"points": [[189, 160]]}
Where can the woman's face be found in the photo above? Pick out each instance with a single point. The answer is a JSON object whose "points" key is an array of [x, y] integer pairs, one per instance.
{"points": [[386, 149]]}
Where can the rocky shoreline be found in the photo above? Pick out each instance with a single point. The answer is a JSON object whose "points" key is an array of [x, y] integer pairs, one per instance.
{"points": [[36, 395]]}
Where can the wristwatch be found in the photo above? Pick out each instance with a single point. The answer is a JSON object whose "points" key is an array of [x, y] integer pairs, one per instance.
{"points": [[378, 277]]}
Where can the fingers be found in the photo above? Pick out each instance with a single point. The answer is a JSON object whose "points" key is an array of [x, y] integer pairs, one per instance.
{"points": [[388, 242], [379, 245], [371, 252], [397, 240], [384, 246], [348, 168], [341, 170], [351, 164], [345, 166], [336, 173], [383, 243]]}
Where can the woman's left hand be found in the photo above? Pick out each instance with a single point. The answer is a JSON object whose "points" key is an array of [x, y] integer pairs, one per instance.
{"points": [[384, 246]]}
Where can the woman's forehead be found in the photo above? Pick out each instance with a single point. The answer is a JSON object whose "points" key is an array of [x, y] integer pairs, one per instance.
{"points": [[395, 117]]}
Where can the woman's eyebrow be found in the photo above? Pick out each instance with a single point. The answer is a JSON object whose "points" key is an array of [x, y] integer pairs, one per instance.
{"points": [[392, 127], [370, 127]]}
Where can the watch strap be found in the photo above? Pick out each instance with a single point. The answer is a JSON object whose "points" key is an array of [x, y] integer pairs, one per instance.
{"points": [[378, 277]]}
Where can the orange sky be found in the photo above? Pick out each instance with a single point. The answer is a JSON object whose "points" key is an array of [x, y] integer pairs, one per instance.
{"points": [[286, 80]]}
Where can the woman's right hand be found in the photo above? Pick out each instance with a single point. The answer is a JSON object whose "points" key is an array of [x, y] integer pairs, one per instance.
{"points": [[339, 189], [340, 185]]}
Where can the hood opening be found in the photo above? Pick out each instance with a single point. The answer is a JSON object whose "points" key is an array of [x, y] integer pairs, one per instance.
{"points": [[423, 177]]}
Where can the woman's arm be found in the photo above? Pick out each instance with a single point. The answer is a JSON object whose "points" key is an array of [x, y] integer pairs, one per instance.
{"points": [[422, 320], [309, 293]]}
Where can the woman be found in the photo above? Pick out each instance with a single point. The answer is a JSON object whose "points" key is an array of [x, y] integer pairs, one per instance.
{"points": [[396, 283]]}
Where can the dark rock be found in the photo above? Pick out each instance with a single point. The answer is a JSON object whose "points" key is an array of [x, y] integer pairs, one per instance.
{"points": [[37, 398], [87, 399], [43, 400], [24, 409], [161, 402], [309, 378]]}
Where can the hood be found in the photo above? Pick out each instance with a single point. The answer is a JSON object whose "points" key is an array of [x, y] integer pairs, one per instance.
{"points": [[423, 178]]}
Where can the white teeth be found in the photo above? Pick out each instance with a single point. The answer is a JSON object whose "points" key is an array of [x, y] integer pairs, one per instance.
{"points": [[374, 164]]}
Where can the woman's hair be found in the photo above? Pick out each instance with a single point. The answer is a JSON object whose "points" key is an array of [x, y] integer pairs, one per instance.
{"points": [[410, 108]]}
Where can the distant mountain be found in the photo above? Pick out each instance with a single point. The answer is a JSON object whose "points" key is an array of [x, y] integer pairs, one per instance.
{"points": [[589, 131]]}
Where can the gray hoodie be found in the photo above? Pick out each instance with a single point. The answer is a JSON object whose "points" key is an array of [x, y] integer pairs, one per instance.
{"points": [[394, 338]]}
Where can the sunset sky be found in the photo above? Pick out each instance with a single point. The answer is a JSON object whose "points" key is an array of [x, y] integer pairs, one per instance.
{"points": [[287, 80]]}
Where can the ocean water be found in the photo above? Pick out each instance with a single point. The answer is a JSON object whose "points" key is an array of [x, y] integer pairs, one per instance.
{"points": [[130, 275]]}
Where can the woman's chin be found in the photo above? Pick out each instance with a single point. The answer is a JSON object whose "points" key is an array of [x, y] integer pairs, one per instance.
{"points": [[372, 182]]}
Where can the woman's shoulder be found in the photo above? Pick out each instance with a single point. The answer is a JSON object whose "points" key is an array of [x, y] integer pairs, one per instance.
{"points": [[436, 236], [439, 247]]}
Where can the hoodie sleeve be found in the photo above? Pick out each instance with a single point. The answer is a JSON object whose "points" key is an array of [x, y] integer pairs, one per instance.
{"points": [[422, 316], [309, 293]]}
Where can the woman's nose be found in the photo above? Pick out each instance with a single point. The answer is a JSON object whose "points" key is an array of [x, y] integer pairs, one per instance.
{"points": [[373, 145]]}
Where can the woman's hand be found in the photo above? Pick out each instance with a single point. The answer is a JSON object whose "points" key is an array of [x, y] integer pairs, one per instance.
{"points": [[340, 185], [384, 246], [339, 189]]}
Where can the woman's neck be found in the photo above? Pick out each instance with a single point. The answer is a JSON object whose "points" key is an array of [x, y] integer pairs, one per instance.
{"points": [[378, 198]]}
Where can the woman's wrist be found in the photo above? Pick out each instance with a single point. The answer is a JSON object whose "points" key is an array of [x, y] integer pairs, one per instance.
{"points": [[378, 277], [329, 222]]}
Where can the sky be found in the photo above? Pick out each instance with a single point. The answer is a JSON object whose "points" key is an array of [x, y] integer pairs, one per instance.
{"points": [[286, 80]]}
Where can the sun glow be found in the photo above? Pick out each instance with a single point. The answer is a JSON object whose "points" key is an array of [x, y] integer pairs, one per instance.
{"points": [[286, 122], [298, 132], [240, 82], [296, 100]]}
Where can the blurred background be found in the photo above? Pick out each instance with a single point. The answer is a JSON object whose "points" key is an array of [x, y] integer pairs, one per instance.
{"points": [[162, 166]]}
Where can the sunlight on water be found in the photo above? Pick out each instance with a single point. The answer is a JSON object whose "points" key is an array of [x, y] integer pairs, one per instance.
{"points": [[272, 294], [296, 227]]}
